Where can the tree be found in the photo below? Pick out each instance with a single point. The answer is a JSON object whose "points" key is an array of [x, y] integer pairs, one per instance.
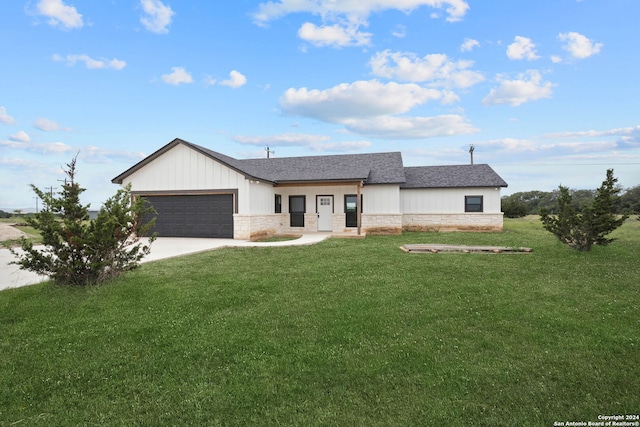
{"points": [[629, 201], [583, 228], [514, 207], [79, 251]]}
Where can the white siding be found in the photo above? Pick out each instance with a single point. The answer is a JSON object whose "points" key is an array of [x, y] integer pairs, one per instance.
{"points": [[381, 199], [184, 169], [447, 200], [261, 198]]}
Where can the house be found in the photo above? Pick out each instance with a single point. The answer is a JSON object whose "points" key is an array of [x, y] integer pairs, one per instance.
{"points": [[198, 192]]}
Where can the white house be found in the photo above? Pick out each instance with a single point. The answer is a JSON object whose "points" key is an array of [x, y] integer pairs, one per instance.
{"points": [[198, 192]]}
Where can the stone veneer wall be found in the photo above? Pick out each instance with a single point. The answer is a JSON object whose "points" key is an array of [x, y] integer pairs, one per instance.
{"points": [[453, 222], [381, 223], [247, 227], [310, 224]]}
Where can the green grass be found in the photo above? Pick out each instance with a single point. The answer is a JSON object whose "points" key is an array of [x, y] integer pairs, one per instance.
{"points": [[345, 332]]}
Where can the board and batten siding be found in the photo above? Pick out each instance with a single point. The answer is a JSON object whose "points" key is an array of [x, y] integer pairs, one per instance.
{"points": [[261, 198], [381, 199], [183, 169], [446, 200]]}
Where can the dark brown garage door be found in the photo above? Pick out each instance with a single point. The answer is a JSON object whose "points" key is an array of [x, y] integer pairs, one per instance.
{"points": [[209, 215]]}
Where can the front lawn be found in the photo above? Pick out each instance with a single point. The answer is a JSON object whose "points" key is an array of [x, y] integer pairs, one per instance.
{"points": [[345, 332]]}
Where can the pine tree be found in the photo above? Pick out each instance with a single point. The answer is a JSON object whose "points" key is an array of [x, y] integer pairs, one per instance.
{"points": [[80, 251], [581, 230]]}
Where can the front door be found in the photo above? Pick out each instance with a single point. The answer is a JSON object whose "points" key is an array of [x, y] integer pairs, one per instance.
{"points": [[325, 213]]}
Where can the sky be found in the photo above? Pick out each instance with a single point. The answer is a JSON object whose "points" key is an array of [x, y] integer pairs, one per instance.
{"points": [[546, 91]]}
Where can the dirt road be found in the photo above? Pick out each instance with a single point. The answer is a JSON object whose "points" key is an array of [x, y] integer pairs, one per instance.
{"points": [[8, 232]]}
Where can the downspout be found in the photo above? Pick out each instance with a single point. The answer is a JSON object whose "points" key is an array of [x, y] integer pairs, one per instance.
{"points": [[359, 208]]}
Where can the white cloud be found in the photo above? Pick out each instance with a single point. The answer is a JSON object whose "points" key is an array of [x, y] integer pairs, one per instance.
{"points": [[342, 20], [629, 136], [522, 48], [315, 142], [389, 127], [60, 14], [353, 10], [90, 63], [333, 35], [157, 16], [20, 136], [6, 118], [177, 76], [235, 80], [285, 139], [435, 68], [513, 145], [528, 87], [47, 125], [400, 31], [93, 154], [469, 44], [579, 46], [360, 99], [42, 148]]}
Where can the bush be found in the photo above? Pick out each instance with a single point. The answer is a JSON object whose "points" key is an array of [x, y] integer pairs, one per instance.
{"points": [[583, 228], [79, 251], [514, 208]]}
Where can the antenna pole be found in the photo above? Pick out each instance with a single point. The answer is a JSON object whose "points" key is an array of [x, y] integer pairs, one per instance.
{"points": [[471, 148], [269, 152]]}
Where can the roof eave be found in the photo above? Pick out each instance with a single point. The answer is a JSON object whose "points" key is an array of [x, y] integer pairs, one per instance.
{"points": [[347, 181], [452, 186]]}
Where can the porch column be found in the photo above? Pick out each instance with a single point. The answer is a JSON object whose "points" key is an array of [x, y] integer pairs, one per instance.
{"points": [[358, 207]]}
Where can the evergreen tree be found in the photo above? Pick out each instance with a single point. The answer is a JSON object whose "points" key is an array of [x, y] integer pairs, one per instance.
{"points": [[79, 251], [582, 229]]}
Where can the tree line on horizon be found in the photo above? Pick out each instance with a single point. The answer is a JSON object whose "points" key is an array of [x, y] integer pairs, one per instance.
{"points": [[525, 203]]}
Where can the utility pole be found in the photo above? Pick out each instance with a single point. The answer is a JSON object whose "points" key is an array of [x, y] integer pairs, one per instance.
{"points": [[269, 152], [36, 203], [471, 148]]}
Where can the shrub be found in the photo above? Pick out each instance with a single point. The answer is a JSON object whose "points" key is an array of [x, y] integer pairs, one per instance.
{"points": [[583, 228], [514, 208], [79, 251]]}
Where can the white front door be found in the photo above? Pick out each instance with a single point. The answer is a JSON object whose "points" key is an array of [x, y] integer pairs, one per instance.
{"points": [[325, 213]]}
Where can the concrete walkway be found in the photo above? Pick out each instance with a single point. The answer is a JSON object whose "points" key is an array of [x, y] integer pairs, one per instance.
{"points": [[167, 247]]}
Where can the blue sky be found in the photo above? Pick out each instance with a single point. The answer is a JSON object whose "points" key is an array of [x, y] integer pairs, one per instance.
{"points": [[547, 91]]}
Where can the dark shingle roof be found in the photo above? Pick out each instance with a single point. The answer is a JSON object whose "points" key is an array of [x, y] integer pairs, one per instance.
{"points": [[373, 168], [452, 176]]}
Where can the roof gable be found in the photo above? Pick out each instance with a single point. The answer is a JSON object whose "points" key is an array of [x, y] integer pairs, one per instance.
{"points": [[226, 160], [456, 176]]}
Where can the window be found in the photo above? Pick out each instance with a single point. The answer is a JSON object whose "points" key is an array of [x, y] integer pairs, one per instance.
{"points": [[350, 209], [278, 204], [473, 203], [296, 210]]}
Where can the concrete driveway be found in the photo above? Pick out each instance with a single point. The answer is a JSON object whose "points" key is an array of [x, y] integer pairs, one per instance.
{"points": [[166, 247]]}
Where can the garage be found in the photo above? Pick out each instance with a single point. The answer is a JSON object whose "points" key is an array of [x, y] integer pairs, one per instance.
{"points": [[202, 215]]}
